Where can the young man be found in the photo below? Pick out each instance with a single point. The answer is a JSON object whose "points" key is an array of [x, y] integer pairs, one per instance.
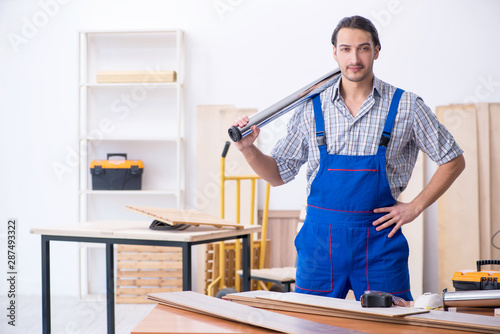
{"points": [[360, 138]]}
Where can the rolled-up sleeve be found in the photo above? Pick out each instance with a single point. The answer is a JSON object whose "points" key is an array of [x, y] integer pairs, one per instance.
{"points": [[291, 151], [432, 137]]}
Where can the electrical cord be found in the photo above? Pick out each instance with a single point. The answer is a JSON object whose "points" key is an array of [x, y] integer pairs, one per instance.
{"points": [[493, 241]]}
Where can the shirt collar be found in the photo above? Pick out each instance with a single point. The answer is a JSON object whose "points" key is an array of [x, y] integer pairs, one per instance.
{"points": [[378, 88]]}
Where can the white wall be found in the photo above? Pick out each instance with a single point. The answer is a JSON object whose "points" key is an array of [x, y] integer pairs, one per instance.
{"points": [[246, 53]]}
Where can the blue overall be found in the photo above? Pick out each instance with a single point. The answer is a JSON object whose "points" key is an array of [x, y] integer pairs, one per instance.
{"points": [[338, 247]]}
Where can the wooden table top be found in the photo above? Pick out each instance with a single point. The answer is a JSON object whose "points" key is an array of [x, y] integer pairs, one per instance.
{"points": [[132, 229], [168, 320]]}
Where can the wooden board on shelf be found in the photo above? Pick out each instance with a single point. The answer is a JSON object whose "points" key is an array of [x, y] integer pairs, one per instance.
{"points": [[147, 269], [136, 76], [180, 216]]}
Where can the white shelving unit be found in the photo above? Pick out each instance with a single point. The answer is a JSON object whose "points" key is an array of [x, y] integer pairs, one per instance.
{"points": [[144, 120]]}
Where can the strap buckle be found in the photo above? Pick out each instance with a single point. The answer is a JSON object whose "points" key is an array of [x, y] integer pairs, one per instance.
{"points": [[321, 138], [385, 138]]}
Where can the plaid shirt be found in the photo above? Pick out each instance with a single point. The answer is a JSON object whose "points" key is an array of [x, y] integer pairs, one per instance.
{"points": [[415, 128]]}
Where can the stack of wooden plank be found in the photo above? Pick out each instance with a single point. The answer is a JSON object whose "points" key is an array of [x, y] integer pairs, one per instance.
{"points": [[215, 307], [147, 269], [334, 307]]}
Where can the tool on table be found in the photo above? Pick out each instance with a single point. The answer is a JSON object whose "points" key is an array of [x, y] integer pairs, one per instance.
{"points": [[376, 299], [280, 108]]}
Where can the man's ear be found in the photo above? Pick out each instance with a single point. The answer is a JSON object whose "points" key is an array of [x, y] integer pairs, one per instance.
{"points": [[335, 53], [377, 51]]}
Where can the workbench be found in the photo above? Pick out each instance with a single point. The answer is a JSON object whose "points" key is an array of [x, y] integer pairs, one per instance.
{"points": [[135, 233], [169, 320]]}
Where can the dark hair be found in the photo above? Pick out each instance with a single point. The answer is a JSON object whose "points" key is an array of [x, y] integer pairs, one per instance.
{"points": [[357, 22]]}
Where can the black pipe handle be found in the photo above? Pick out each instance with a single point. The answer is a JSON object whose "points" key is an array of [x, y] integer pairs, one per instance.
{"points": [[226, 148], [480, 263]]}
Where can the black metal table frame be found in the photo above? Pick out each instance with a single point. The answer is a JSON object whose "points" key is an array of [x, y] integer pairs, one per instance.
{"points": [[110, 281]]}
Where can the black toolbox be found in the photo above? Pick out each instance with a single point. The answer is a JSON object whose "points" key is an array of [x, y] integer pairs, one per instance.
{"points": [[116, 174]]}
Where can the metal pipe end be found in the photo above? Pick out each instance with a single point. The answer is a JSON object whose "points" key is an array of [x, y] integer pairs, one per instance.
{"points": [[235, 133]]}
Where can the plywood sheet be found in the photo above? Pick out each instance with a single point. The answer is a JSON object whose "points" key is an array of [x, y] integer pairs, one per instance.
{"points": [[435, 319], [494, 131], [180, 216], [244, 314], [458, 208], [341, 304], [484, 179]]}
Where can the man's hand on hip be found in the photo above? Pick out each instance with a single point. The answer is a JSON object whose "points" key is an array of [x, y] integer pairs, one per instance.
{"points": [[397, 215]]}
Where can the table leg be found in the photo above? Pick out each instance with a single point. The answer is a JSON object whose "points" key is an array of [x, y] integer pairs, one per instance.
{"points": [[45, 285], [245, 263], [110, 287], [186, 267]]}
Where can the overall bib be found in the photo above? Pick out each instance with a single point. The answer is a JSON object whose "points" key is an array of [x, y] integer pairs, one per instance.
{"points": [[338, 247]]}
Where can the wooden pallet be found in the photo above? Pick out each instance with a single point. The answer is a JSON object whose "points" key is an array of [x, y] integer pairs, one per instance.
{"points": [[212, 263], [147, 269]]}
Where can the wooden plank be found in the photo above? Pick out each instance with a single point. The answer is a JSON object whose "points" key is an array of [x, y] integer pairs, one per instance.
{"points": [[181, 216], [150, 273], [236, 312], [434, 319], [458, 208], [340, 304], [149, 282], [494, 131], [147, 249], [135, 76], [149, 265], [149, 257]]}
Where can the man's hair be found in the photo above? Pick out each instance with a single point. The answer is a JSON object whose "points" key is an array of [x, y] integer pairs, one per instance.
{"points": [[357, 22]]}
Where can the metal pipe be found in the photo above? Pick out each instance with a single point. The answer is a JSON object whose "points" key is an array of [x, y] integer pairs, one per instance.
{"points": [[280, 108]]}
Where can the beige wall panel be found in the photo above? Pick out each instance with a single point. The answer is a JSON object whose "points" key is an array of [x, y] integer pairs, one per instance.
{"points": [[484, 179], [495, 177], [458, 208], [414, 232]]}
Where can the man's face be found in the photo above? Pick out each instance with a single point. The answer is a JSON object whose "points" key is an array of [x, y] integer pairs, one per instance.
{"points": [[355, 54]]}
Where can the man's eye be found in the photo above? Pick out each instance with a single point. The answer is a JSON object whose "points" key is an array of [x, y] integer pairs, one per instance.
{"points": [[344, 49]]}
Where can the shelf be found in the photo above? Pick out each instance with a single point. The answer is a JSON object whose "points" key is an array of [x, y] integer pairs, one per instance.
{"points": [[138, 31], [133, 84], [136, 139], [145, 120], [130, 192]]}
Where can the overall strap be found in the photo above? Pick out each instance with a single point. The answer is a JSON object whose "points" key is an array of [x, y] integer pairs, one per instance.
{"points": [[320, 125], [389, 122]]}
